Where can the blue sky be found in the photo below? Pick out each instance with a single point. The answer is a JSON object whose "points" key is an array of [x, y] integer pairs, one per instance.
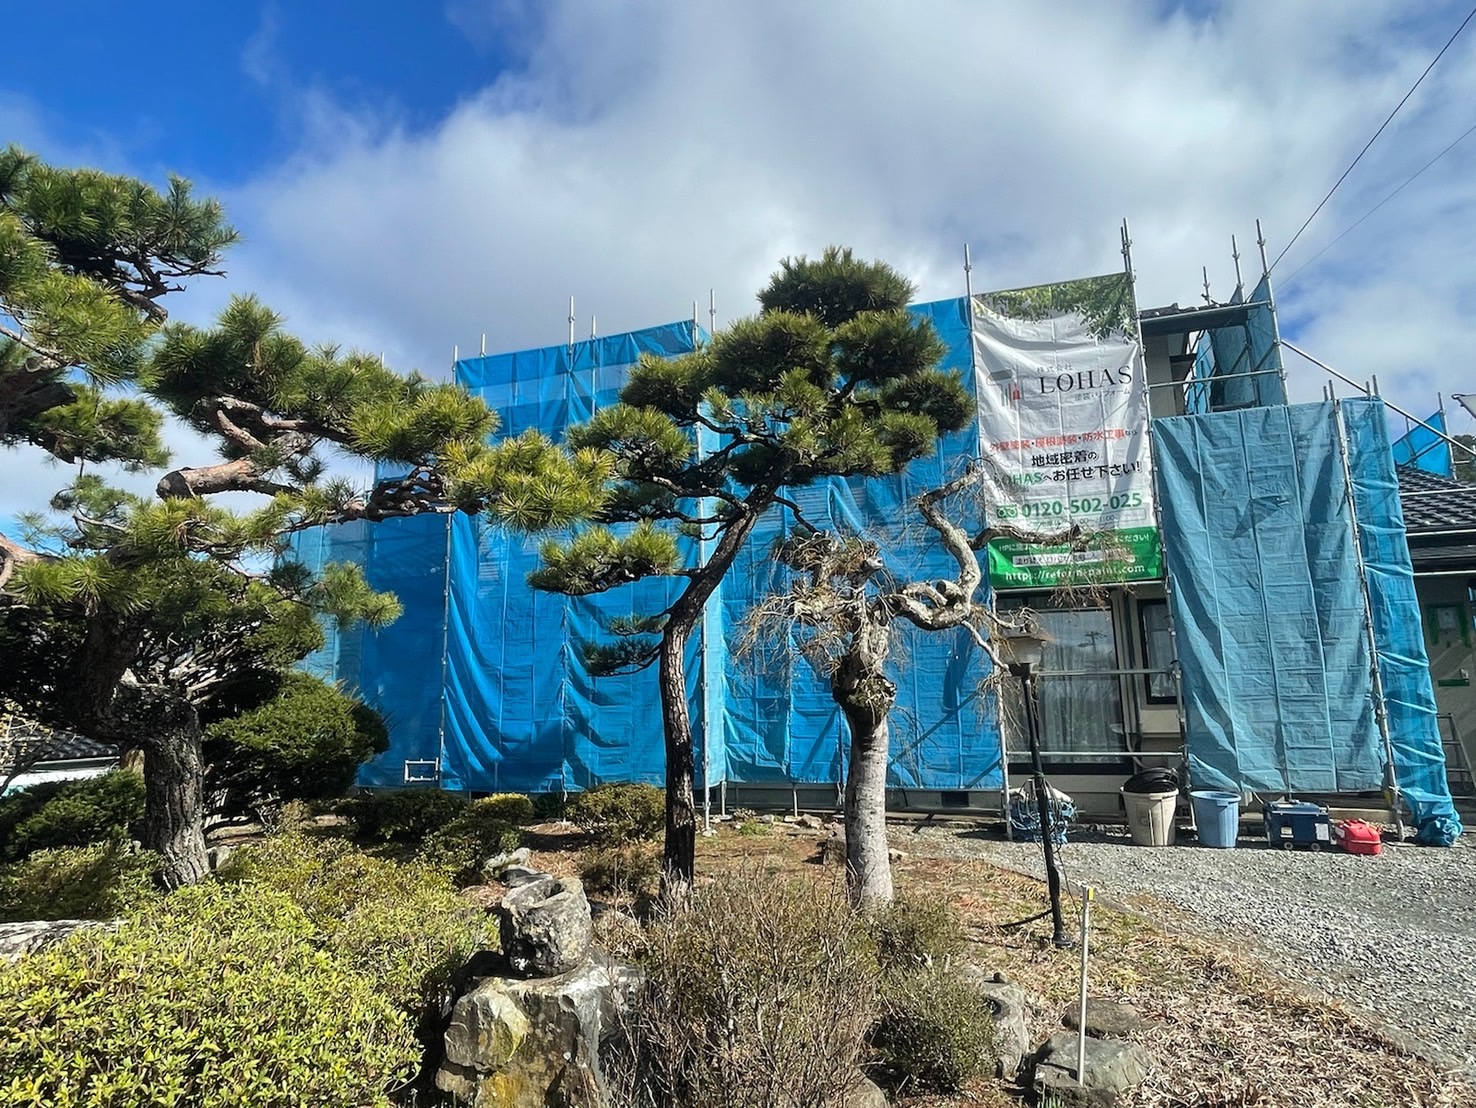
{"points": [[410, 176]]}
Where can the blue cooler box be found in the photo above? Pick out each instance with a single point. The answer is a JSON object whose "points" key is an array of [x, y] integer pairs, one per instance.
{"points": [[1292, 823]]}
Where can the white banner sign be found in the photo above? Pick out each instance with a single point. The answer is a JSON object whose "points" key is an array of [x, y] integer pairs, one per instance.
{"points": [[1063, 414]]}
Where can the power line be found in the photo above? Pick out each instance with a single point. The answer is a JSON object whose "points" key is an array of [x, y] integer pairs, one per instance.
{"points": [[1408, 181], [1376, 134]]}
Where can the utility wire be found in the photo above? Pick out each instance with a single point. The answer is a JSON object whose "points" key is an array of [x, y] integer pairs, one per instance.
{"points": [[1471, 15], [1408, 181]]}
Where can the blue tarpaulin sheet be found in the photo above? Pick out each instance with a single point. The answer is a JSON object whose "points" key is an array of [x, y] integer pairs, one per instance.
{"points": [[1263, 557], [1404, 668], [488, 675], [1424, 448], [1239, 366], [1259, 543]]}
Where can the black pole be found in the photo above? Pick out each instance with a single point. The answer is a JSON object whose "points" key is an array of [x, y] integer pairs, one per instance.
{"points": [[1043, 806]]}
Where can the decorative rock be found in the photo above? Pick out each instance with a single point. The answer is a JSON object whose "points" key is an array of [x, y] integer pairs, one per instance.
{"points": [[215, 857], [531, 1043], [1112, 1067], [19, 939], [811, 823], [513, 876], [1106, 1019], [866, 1093], [544, 926], [494, 865], [1012, 1035]]}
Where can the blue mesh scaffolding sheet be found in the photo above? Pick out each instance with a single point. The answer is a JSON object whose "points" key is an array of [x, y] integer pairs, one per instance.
{"points": [[396, 669], [779, 721], [1259, 543], [516, 707], [1404, 668], [522, 710], [1239, 366]]}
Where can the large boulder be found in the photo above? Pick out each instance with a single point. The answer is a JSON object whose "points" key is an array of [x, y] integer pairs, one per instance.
{"points": [[535, 1042], [1112, 1067], [19, 939], [545, 926], [1105, 1018], [866, 1093]]}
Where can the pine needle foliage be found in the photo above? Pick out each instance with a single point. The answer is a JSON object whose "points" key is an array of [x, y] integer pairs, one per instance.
{"points": [[832, 378], [141, 619]]}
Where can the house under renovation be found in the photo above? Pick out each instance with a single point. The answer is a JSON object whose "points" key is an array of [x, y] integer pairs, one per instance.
{"points": [[1246, 610]]}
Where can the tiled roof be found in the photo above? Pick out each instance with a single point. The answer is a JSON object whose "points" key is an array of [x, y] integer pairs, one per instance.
{"points": [[31, 743], [1434, 504]]}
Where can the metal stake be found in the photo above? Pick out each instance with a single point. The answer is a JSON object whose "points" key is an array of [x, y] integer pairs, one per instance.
{"points": [[1087, 893]]}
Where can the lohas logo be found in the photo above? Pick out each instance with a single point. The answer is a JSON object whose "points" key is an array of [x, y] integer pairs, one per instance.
{"points": [[1086, 380]]}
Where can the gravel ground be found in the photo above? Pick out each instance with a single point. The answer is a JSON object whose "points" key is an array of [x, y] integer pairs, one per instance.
{"points": [[1394, 935]]}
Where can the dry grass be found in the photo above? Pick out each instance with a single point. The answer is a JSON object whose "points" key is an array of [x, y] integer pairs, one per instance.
{"points": [[1223, 1029]]}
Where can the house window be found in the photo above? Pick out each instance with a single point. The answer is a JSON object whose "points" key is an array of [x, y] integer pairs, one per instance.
{"points": [[1078, 689], [1158, 651]]}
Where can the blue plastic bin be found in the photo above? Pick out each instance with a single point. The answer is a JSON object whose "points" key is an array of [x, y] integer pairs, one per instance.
{"points": [[1217, 816]]}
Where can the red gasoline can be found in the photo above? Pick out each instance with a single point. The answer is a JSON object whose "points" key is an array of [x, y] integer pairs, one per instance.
{"points": [[1359, 837]]}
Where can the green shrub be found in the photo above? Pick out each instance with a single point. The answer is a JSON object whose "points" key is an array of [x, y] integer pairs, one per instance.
{"points": [[401, 815], [760, 992], [469, 839], [215, 997], [625, 872], [305, 743], [100, 881], [399, 924], [70, 813], [617, 814], [912, 932], [936, 1029], [508, 807]]}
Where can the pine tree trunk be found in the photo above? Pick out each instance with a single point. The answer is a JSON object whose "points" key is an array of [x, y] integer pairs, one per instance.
{"points": [[868, 865], [174, 796], [679, 854]]}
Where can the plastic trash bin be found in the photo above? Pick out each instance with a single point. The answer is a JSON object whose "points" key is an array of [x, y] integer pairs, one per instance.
{"points": [[1217, 815], [1150, 816]]}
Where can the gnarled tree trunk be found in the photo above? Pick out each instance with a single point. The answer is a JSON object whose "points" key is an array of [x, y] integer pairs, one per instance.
{"points": [[866, 696], [174, 810]]}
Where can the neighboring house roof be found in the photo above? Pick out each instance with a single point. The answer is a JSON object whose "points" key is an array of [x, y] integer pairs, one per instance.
{"points": [[26, 743], [1439, 521]]}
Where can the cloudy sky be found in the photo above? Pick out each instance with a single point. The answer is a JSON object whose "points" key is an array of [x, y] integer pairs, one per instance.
{"points": [[409, 176]]}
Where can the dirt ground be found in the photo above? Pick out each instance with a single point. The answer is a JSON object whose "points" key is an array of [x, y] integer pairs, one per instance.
{"points": [[1224, 1028]]}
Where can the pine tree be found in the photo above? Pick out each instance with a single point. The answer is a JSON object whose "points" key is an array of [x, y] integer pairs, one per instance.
{"points": [[833, 378], [140, 613]]}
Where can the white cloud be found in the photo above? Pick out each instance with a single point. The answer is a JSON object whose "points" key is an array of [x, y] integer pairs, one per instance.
{"points": [[645, 151], [648, 151]]}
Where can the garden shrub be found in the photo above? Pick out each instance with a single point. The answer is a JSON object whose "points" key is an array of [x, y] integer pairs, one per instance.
{"points": [[70, 813], [305, 743], [616, 814], [936, 1029], [912, 931], [473, 835], [217, 996], [401, 815], [401, 925], [625, 872], [508, 807], [101, 881], [760, 992]]}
